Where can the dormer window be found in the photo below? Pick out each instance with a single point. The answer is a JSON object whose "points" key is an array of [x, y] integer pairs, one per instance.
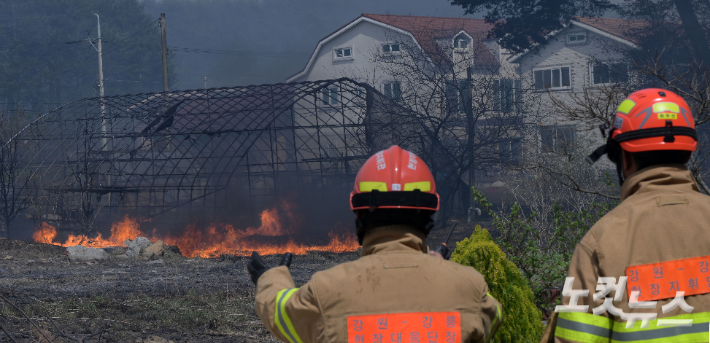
{"points": [[344, 53], [577, 38], [390, 48], [462, 41]]}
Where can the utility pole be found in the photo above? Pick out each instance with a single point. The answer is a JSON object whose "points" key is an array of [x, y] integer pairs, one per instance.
{"points": [[471, 136], [101, 66], [104, 141], [165, 52], [101, 86]]}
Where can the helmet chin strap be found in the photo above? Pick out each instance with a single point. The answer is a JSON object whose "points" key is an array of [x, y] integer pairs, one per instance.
{"points": [[612, 149], [619, 173]]}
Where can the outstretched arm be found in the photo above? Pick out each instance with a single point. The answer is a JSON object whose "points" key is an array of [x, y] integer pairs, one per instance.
{"points": [[291, 314]]}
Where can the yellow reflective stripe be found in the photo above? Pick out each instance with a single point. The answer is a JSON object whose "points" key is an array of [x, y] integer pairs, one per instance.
{"points": [[698, 332], [283, 322], [626, 106], [277, 311], [577, 336], [586, 318], [424, 186], [583, 327], [586, 327], [496, 319], [369, 186], [666, 107], [693, 337]]}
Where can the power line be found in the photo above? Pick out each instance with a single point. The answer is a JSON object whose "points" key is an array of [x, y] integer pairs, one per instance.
{"points": [[224, 52], [241, 52]]}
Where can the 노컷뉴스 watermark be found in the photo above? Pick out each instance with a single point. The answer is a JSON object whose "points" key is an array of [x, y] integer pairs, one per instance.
{"points": [[607, 284]]}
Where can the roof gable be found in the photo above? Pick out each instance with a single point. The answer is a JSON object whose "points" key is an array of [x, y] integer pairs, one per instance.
{"points": [[425, 31], [616, 29], [621, 28]]}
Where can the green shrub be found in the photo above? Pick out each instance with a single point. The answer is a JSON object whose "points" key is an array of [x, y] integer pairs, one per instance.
{"points": [[522, 321], [541, 244]]}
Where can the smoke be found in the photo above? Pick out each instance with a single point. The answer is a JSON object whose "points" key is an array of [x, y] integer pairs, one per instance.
{"points": [[256, 42]]}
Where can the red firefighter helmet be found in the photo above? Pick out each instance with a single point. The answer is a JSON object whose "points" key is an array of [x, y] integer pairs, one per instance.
{"points": [[654, 119], [394, 178], [648, 120]]}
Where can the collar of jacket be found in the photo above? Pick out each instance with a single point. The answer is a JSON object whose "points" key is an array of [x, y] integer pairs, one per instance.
{"points": [[393, 238], [675, 176]]}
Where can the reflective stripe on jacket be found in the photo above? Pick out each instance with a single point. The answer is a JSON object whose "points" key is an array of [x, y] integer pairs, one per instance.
{"points": [[586, 327], [662, 217], [394, 275]]}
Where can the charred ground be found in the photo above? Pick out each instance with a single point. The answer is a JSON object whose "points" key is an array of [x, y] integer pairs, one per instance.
{"points": [[132, 300]]}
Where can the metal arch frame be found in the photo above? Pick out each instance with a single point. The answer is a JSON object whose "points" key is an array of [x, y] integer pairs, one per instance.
{"points": [[202, 149]]}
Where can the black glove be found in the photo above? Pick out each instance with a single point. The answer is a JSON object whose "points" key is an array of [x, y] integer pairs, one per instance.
{"points": [[286, 260], [443, 250], [256, 266]]}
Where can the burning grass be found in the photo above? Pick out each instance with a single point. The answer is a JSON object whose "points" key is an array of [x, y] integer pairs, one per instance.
{"points": [[273, 236], [181, 299]]}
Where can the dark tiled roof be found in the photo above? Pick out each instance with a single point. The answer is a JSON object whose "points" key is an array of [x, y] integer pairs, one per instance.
{"points": [[622, 28]]}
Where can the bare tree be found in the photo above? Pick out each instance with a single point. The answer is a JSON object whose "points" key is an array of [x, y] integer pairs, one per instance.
{"points": [[594, 106], [14, 191], [87, 193], [466, 105], [692, 82]]}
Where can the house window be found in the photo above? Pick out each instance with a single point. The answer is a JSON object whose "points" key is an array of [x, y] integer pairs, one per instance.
{"points": [[461, 41], [511, 152], [393, 90], [576, 38], [553, 78], [345, 53], [609, 73], [557, 139], [457, 95], [390, 48], [506, 93], [330, 95]]}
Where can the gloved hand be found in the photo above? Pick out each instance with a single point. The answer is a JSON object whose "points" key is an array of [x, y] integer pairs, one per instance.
{"points": [[443, 250], [286, 260], [256, 266]]}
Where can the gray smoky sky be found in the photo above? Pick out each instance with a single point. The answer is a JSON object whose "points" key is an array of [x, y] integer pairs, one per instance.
{"points": [[244, 42]]}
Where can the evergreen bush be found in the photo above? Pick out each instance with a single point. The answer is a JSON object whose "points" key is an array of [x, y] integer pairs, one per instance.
{"points": [[522, 320]]}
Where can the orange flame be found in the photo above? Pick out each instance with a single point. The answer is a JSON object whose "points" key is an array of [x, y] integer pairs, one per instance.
{"points": [[218, 239], [45, 234]]}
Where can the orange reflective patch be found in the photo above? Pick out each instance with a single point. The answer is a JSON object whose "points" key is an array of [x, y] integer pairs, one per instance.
{"points": [[413, 327], [662, 280]]}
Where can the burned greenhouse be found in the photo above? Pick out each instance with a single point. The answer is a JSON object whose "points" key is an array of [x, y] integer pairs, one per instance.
{"points": [[211, 155]]}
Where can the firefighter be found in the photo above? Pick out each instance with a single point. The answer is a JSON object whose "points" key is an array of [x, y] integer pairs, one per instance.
{"points": [[658, 236], [395, 292]]}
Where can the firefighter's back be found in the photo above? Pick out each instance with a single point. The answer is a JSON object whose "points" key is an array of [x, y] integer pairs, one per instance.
{"points": [[402, 282]]}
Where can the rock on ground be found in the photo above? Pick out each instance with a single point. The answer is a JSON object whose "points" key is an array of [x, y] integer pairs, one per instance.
{"points": [[82, 253], [135, 246], [156, 249]]}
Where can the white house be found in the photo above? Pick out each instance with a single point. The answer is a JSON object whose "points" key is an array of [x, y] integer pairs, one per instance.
{"points": [[588, 53], [420, 61], [355, 49]]}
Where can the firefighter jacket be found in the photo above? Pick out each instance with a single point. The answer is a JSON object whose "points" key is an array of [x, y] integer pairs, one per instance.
{"points": [[659, 238], [395, 292]]}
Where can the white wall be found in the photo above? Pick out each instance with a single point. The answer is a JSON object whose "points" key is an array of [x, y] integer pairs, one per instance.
{"points": [[366, 38]]}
